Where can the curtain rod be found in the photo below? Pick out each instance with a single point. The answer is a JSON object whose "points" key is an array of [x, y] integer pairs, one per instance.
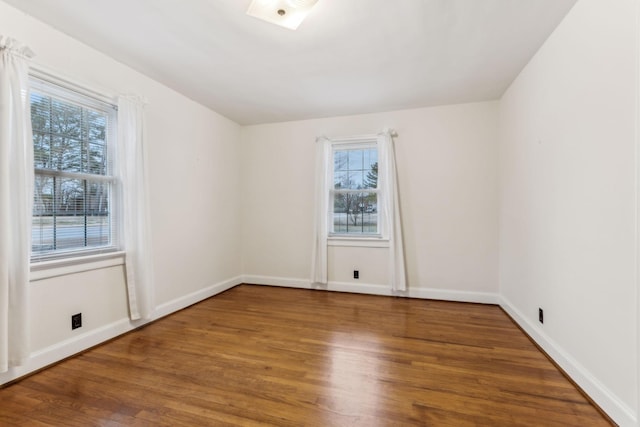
{"points": [[391, 132], [47, 74]]}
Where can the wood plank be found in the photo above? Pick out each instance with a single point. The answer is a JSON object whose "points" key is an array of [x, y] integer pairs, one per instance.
{"points": [[289, 357]]}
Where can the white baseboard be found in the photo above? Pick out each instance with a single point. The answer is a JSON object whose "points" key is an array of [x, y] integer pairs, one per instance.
{"points": [[359, 288], [306, 284], [453, 295], [372, 289], [194, 297], [44, 357], [60, 351], [608, 401], [277, 281]]}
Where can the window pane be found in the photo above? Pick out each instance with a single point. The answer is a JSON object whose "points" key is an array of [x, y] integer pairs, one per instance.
{"points": [[356, 180], [67, 154], [96, 156], [40, 108], [68, 137], [356, 159], [348, 180], [340, 161], [371, 158], [341, 180], [69, 214], [340, 213], [66, 118], [371, 178], [355, 212]]}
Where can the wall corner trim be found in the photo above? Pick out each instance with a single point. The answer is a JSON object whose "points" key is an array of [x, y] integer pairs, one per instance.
{"points": [[601, 395]]}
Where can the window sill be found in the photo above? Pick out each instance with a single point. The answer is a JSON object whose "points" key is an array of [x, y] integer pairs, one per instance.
{"points": [[361, 242], [62, 267]]}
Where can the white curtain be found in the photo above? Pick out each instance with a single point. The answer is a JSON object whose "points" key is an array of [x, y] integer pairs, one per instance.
{"points": [[132, 167], [322, 186], [16, 200], [391, 211]]}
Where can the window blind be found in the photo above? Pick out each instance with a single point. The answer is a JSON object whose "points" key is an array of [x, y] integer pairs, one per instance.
{"points": [[75, 204]]}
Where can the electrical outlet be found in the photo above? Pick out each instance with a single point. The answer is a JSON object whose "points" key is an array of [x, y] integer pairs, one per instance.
{"points": [[76, 321], [540, 315], [356, 274]]}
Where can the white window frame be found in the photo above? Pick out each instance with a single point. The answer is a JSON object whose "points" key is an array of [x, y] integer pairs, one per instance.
{"points": [[51, 85], [352, 239]]}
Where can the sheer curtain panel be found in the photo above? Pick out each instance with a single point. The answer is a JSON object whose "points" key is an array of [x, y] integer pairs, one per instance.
{"points": [[132, 166], [16, 200], [391, 211], [319, 274]]}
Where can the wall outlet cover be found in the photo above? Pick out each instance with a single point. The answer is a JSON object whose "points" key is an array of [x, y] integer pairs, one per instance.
{"points": [[76, 321]]}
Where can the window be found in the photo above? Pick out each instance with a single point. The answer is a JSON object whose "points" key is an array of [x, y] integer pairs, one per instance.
{"points": [[357, 202], [73, 209], [354, 194]]}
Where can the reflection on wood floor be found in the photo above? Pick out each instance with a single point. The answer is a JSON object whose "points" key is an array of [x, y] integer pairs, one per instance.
{"points": [[290, 357]]}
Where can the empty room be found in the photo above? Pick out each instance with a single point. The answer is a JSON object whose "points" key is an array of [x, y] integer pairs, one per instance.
{"points": [[319, 212]]}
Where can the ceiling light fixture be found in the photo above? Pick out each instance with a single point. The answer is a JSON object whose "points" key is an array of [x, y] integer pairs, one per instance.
{"points": [[286, 13]]}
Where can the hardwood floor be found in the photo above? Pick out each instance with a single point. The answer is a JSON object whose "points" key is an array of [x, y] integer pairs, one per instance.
{"points": [[289, 357]]}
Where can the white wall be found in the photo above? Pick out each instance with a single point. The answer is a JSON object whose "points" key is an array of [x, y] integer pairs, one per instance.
{"points": [[194, 202], [567, 200], [549, 213], [447, 166]]}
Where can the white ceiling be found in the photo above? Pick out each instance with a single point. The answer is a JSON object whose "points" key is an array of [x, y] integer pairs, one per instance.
{"points": [[347, 57]]}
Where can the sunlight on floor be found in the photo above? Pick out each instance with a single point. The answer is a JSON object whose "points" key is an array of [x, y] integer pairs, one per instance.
{"points": [[353, 374]]}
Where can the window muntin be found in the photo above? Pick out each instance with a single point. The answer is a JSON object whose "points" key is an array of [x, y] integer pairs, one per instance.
{"points": [[73, 211], [354, 194]]}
